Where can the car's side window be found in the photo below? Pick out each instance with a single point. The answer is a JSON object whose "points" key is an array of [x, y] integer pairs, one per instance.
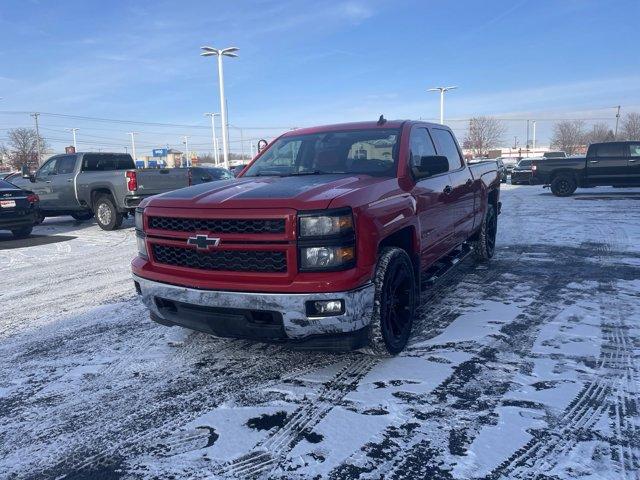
{"points": [[420, 145], [66, 164], [48, 168], [634, 150], [447, 146], [610, 150]]}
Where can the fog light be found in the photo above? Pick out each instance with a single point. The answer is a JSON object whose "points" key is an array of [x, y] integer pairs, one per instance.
{"points": [[325, 308]]}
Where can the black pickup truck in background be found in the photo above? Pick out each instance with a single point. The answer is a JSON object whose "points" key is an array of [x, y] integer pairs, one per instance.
{"points": [[615, 164]]}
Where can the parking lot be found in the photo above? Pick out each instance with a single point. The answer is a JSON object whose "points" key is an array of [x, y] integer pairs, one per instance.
{"points": [[527, 367]]}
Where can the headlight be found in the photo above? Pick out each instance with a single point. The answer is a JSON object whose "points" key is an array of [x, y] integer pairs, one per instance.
{"points": [[326, 258], [328, 225], [142, 246], [139, 219]]}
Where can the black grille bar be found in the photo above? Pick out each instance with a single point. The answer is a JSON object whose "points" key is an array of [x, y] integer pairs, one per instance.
{"points": [[218, 225], [222, 260]]}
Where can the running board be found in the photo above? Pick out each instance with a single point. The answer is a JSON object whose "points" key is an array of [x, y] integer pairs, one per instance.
{"points": [[442, 267]]}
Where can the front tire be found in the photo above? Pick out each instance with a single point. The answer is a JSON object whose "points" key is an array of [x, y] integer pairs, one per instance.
{"points": [[563, 185], [22, 232], [484, 245], [107, 215], [394, 303]]}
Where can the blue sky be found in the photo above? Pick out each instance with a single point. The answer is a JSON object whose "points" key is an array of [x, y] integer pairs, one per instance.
{"points": [[312, 62]]}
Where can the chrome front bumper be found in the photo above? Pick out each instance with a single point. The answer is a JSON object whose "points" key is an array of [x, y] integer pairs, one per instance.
{"points": [[297, 325]]}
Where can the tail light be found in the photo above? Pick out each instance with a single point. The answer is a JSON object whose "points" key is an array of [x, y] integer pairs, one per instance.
{"points": [[33, 198], [132, 181]]}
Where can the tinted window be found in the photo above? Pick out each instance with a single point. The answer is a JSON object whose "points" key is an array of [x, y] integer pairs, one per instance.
{"points": [[634, 150], [5, 184], [447, 147], [610, 150], [421, 145], [48, 168], [524, 163], [66, 164], [101, 162]]}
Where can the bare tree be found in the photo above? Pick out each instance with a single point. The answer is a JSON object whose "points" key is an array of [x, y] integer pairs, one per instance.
{"points": [[600, 133], [22, 148], [484, 134], [568, 136], [631, 127]]}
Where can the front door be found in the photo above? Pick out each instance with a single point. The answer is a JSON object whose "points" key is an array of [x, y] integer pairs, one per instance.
{"points": [[43, 185], [609, 166], [63, 189], [463, 194], [633, 163], [436, 229]]}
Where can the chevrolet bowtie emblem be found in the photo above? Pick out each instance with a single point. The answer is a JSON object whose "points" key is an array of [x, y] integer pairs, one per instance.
{"points": [[203, 242]]}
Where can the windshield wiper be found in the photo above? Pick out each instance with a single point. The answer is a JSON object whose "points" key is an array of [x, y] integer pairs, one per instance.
{"points": [[269, 173], [313, 172]]}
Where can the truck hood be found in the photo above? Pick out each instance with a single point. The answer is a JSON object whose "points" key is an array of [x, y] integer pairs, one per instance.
{"points": [[305, 192]]}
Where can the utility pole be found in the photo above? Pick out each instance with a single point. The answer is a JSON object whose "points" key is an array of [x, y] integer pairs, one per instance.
{"points": [[35, 116], [527, 134], [73, 131], [213, 136], [534, 135], [442, 91], [615, 135], [133, 148], [242, 144], [186, 147]]}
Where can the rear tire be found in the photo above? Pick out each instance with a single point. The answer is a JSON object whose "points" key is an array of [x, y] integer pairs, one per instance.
{"points": [[82, 217], [107, 215], [394, 303], [22, 232], [484, 245], [563, 185]]}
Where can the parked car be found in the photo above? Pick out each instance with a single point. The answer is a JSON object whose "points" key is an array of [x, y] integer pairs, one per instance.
{"points": [[323, 240], [509, 163], [614, 164], [105, 184], [502, 170], [521, 173], [18, 209]]}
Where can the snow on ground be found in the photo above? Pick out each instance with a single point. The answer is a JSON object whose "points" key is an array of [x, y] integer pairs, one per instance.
{"points": [[523, 368]]}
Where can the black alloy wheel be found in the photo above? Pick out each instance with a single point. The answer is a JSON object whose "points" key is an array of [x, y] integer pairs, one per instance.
{"points": [[398, 302]]}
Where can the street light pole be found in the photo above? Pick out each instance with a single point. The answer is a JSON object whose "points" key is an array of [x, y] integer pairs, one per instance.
{"points": [[534, 135], [213, 136], [35, 116], [615, 136], [442, 91], [73, 131], [133, 148], [225, 52], [186, 147]]}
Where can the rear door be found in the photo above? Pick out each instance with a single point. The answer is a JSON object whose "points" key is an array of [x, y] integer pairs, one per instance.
{"points": [[609, 165], [633, 163], [62, 184], [436, 229], [461, 199]]}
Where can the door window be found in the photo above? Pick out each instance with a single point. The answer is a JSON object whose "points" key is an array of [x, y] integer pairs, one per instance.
{"points": [[421, 145], [48, 168], [610, 150], [634, 150], [66, 165], [447, 147]]}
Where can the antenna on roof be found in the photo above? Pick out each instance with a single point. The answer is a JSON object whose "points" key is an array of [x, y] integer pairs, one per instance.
{"points": [[382, 120]]}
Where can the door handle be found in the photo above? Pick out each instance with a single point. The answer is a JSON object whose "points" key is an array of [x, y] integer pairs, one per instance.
{"points": [[593, 161], [447, 190]]}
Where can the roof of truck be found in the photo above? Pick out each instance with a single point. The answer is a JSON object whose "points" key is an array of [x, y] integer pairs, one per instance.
{"points": [[354, 126]]}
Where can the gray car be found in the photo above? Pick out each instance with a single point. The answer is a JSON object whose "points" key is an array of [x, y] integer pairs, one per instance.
{"points": [[106, 185]]}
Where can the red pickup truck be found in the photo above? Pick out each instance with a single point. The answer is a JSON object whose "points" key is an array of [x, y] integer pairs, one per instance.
{"points": [[322, 240]]}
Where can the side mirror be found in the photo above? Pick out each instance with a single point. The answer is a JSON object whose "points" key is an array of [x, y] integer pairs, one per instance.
{"points": [[431, 165]]}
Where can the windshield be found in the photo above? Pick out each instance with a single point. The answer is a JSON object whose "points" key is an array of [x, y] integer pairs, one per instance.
{"points": [[371, 152], [524, 163]]}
